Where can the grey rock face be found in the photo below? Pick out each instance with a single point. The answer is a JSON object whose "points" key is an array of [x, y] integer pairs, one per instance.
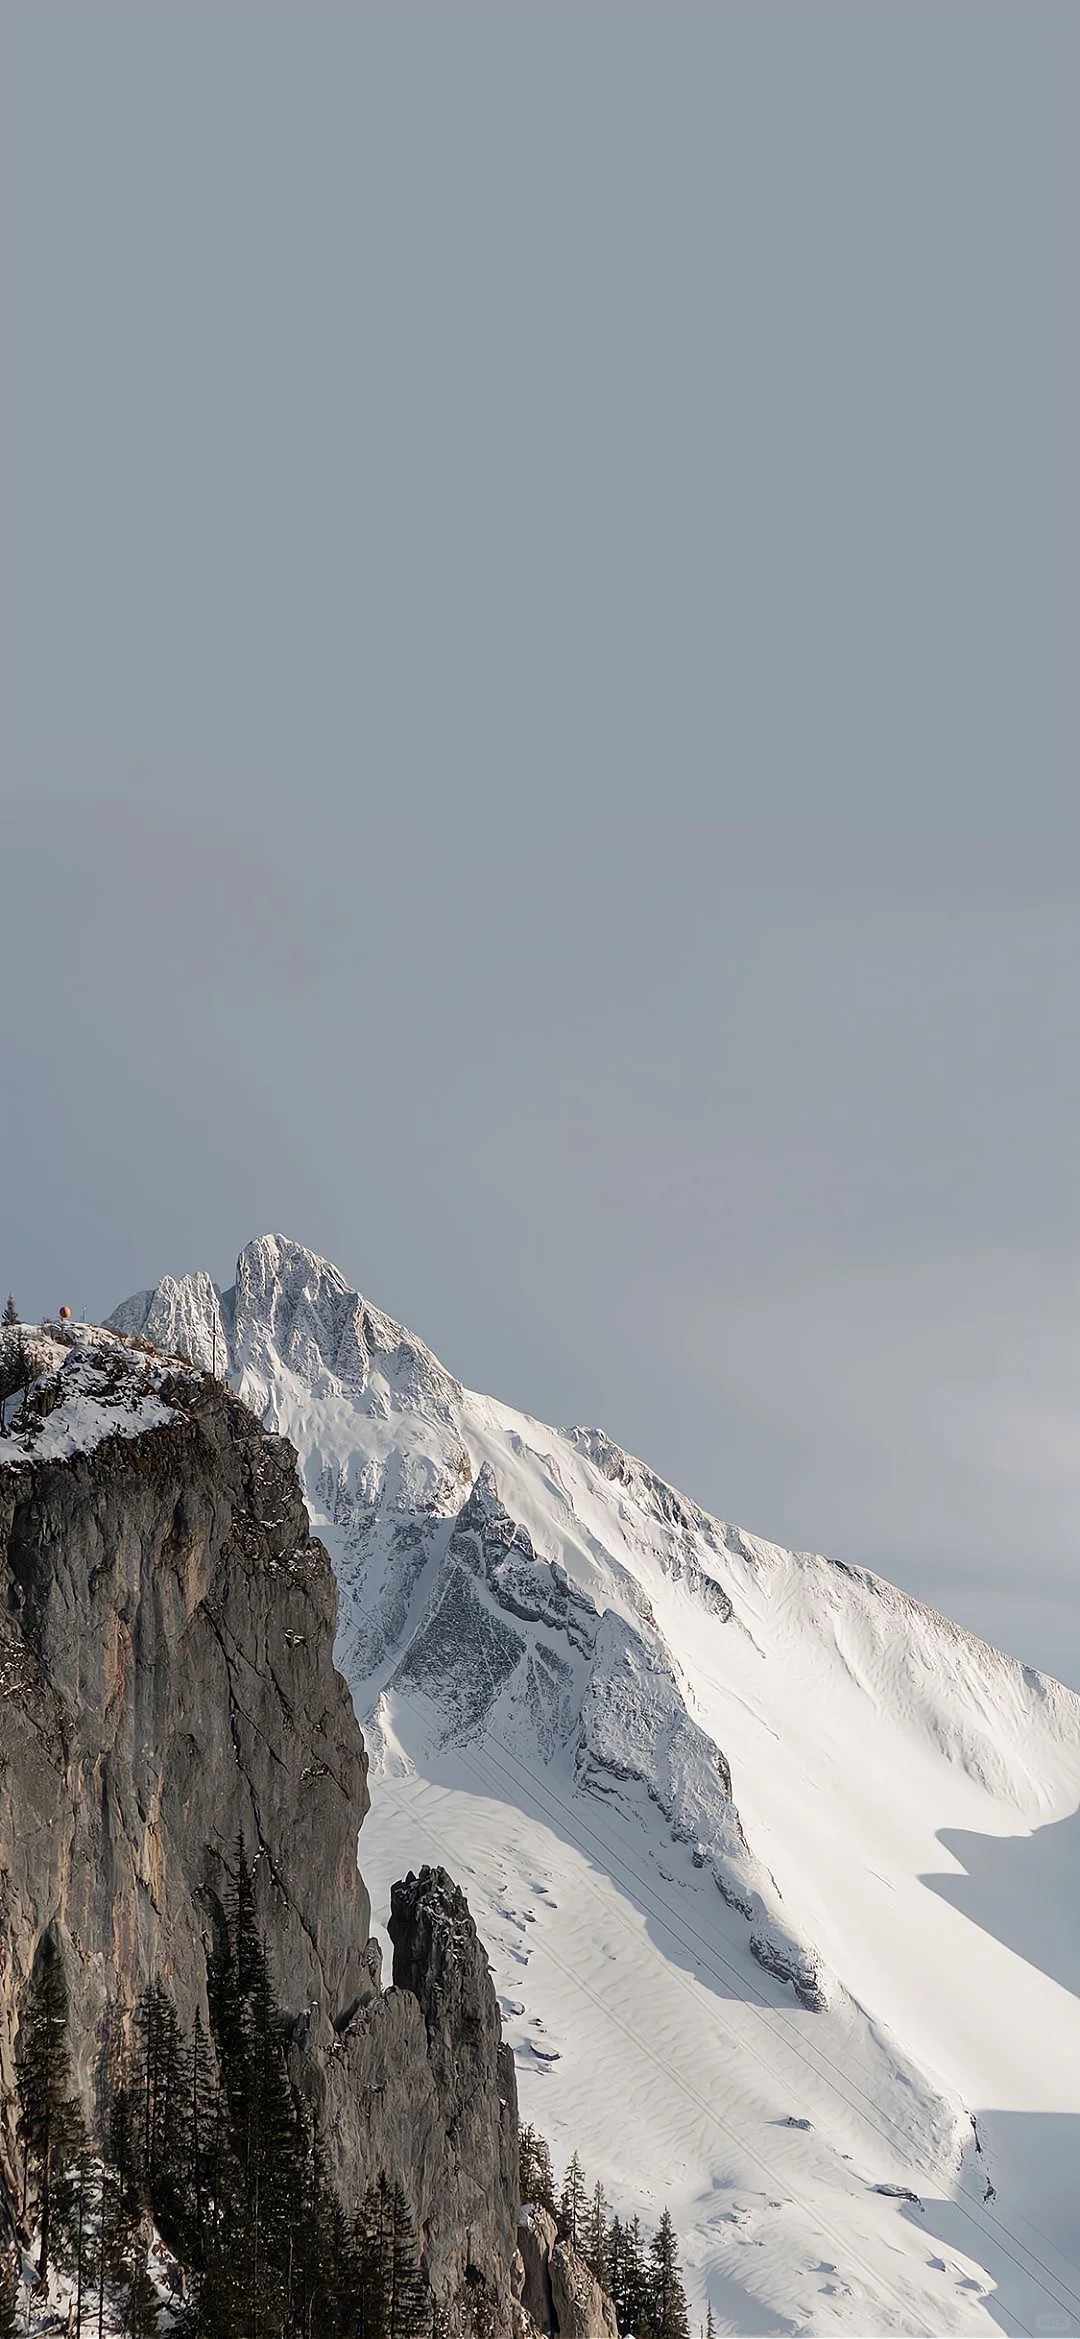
{"points": [[167, 1694], [537, 2236], [438, 1960], [582, 2309], [559, 2294]]}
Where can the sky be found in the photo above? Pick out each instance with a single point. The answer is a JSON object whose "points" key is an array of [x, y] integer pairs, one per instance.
{"points": [[540, 752]]}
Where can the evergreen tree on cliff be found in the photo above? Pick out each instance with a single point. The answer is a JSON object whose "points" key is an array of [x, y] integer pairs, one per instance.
{"points": [[392, 2296], [594, 2236], [614, 2263], [572, 2201], [667, 2298], [536, 2180], [49, 2124], [633, 2305]]}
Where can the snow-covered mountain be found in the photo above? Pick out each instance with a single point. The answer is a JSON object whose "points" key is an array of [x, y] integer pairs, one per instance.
{"points": [[777, 1868]]}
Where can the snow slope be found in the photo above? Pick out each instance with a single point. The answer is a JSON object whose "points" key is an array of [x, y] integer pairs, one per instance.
{"points": [[80, 1397], [777, 1868]]}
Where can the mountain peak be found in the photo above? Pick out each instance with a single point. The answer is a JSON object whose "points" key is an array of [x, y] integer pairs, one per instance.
{"points": [[681, 1764], [288, 1310]]}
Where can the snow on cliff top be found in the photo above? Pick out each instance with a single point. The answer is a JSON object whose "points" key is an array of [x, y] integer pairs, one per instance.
{"points": [[85, 1394]]}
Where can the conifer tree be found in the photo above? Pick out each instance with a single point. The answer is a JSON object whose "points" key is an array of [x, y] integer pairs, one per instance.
{"points": [[372, 2272], [203, 2145], [49, 2123], [122, 2234], [614, 2268], [390, 2294], [410, 2311], [667, 2298], [11, 1314], [633, 2305], [87, 2234], [76, 2229], [535, 2177], [162, 2139], [572, 2201], [594, 2235], [277, 2254]]}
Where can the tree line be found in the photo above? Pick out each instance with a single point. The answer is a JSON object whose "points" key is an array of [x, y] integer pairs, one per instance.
{"points": [[203, 2139], [640, 2273]]}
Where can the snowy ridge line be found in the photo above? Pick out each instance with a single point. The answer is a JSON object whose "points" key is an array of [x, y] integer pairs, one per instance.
{"points": [[857, 1770], [980, 2218], [873, 2116], [488, 1629], [877, 2283], [85, 1395]]}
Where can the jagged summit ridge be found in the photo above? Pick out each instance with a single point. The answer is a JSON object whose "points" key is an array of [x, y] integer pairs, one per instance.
{"points": [[286, 1309], [450, 1610]]}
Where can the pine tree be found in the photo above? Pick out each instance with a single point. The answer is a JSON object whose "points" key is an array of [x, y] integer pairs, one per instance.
{"points": [[710, 2325], [594, 2236], [667, 2298], [410, 2309], [535, 2178], [632, 2301], [11, 1314], [259, 2257], [323, 2278], [614, 2266], [122, 2223], [76, 2227], [87, 2235], [572, 2201], [49, 2124], [203, 2146], [372, 2272], [160, 2083], [390, 2294]]}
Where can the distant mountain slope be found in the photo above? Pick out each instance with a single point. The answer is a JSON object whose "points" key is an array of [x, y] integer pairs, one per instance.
{"points": [[699, 1790]]}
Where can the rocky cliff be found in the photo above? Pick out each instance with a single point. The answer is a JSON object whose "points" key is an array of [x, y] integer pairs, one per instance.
{"points": [[168, 1702]]}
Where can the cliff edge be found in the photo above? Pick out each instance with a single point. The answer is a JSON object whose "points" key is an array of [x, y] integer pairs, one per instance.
{"points": [[169, 1709]]}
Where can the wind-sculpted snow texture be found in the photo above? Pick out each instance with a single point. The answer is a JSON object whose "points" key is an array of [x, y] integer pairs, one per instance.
{"points": [[700, 1792]]}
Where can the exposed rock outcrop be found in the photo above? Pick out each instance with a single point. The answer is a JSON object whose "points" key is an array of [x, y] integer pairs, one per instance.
{"points": [[582, 2309], [167, 1696], [559, 2293], [537, 2236]]}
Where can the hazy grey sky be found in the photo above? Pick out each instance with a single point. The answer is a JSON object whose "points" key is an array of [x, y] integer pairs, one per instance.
{"points": [[544, 750]]}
